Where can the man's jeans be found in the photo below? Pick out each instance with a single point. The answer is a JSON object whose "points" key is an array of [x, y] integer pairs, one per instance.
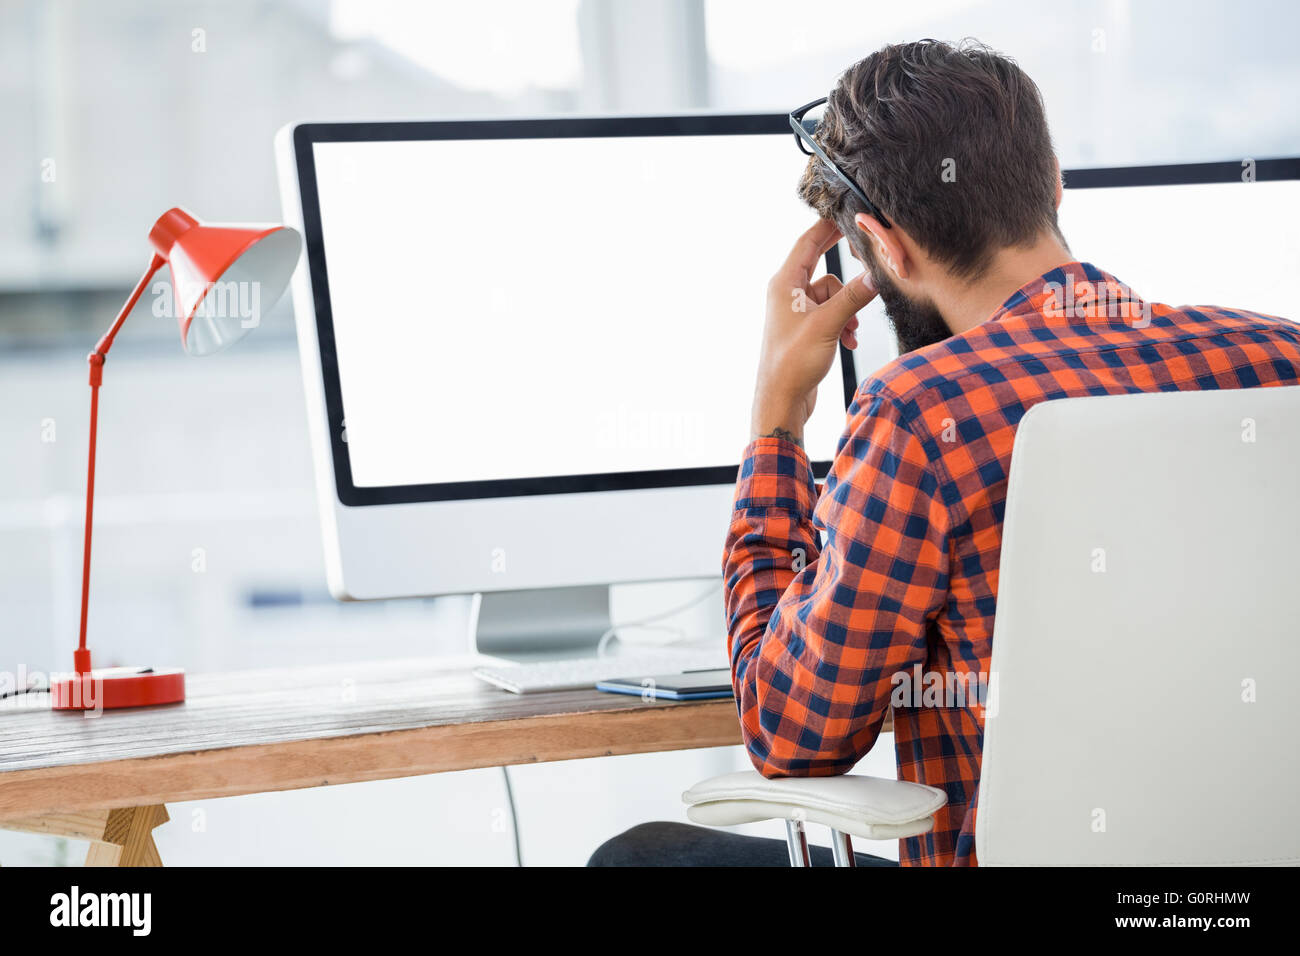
{"points": [[680, 844]]}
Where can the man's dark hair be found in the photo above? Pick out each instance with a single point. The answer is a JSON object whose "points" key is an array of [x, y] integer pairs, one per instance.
{"points": [[897, 120]]}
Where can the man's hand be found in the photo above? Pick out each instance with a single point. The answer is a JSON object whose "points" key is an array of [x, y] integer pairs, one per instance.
{"points": [[805, 323]]}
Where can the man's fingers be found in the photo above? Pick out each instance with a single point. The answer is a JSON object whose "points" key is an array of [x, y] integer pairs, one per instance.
{"points": [[824, 288], [844, 304], [812, 245]]}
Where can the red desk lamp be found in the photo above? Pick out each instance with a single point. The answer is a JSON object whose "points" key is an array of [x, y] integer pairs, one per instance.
{"points": [[255, 263]]}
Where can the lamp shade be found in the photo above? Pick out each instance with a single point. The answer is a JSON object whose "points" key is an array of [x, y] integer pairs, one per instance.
{"points": [[223, 275]]}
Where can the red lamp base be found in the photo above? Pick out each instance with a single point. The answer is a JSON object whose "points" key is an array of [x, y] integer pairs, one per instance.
{"points": [[116, 687]]}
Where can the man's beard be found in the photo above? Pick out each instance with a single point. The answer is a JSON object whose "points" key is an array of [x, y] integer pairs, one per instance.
{"points": [[915, 324]]}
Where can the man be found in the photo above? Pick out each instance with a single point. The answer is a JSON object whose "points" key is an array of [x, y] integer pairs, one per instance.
{"points": [[947, 189]]}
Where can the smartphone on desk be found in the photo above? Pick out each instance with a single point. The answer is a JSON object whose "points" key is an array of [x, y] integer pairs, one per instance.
{"points": [[688, 685]]}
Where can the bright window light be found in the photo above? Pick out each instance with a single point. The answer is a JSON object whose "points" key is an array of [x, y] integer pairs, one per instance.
{"points": [[753, 34], [498, 46]]}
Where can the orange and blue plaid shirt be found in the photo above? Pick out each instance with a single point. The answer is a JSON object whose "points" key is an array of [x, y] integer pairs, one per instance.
{"points": [[824, 634]]}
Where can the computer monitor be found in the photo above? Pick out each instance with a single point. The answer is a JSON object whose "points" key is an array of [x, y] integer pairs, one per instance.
{"points": [[529, 346], [1199, 233]]}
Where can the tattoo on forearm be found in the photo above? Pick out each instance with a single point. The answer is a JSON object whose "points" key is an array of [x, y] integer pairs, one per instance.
{"points": [[782, 433]]}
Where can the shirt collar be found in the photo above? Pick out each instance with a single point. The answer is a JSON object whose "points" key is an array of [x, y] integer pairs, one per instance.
{"points": [[1072, 291]]}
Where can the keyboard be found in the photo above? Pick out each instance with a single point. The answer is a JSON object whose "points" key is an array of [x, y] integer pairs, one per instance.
{"points": [[541, 676]]}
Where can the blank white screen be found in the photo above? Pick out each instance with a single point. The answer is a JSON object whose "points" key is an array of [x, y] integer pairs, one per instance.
{"points": [[1229, 244], [528, 308]]}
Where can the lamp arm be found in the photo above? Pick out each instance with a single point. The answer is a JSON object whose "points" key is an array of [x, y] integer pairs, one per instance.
{"points": [[95, 359], [106, 343]]}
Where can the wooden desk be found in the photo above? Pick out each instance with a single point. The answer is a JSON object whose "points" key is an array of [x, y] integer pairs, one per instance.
{"points": [[106, 779]]}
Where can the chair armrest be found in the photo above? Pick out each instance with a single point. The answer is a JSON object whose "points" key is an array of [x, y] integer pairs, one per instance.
{"points": [[869, 807]]}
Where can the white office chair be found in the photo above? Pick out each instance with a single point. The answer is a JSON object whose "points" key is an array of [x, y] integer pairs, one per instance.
{"points": [[1144, 707]]}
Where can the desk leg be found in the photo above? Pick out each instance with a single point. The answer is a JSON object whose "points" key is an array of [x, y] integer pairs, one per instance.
{"points": [[127, 839], [117, 837]]}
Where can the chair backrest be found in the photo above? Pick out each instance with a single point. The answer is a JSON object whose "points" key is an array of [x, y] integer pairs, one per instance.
{"points": [[1144, 704]]}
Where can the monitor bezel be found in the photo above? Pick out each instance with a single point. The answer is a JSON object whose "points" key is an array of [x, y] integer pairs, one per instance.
{"points": [[306, 135]]}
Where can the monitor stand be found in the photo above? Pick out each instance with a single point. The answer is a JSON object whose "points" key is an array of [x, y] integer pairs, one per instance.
{"points": [[545, 624]]}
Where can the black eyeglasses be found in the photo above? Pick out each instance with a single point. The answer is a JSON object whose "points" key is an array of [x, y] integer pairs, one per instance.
{"points": [[803, 137]]}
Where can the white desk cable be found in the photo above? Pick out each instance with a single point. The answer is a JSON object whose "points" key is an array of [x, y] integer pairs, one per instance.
{"points": [[514, 816], [610, 635], [601, 648]]}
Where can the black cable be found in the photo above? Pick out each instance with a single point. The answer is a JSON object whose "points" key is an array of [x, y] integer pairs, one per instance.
{"points": [[514, 816], [24, 690]]}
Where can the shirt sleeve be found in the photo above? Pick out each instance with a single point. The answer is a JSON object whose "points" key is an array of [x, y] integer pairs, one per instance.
{"points": [[817, 632]]}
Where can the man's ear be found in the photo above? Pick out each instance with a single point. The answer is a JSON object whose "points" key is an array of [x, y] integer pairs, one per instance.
{"points": [[889, 251], [1060, 184]]}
